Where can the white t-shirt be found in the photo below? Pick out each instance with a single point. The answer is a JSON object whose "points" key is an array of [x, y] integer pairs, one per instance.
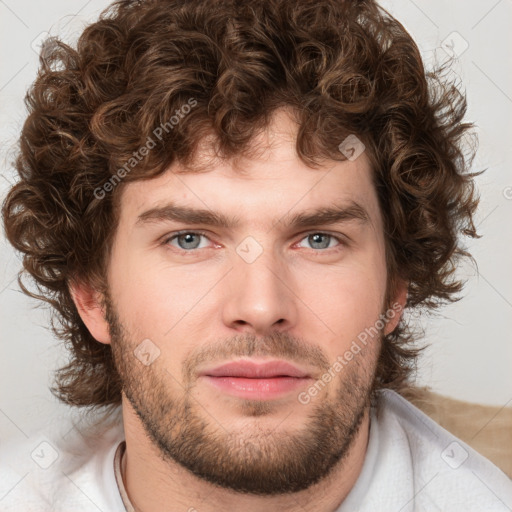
{"points": [[411, 465]]}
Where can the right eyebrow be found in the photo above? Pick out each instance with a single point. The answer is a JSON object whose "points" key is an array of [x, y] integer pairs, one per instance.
{"points": [[187, 215]]}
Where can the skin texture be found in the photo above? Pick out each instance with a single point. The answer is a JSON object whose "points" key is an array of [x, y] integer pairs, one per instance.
{"points": [[189, 444]]}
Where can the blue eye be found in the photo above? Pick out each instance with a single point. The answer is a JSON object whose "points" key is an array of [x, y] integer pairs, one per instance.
{"points": [[321, 240], [187, 240]]}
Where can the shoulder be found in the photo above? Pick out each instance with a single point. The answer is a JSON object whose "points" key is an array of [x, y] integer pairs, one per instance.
{"points": [[446, 471], [60, 468]]}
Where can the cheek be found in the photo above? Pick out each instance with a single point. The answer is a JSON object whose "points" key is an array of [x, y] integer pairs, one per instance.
{"points": [[347, 298], [164, 306], [151, 296]]}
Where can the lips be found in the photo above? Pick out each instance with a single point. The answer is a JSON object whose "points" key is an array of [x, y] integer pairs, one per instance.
{"points": [[250, 380], [252, 370]]}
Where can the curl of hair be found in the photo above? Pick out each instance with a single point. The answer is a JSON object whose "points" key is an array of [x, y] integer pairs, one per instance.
{"points": [[342, 67]]}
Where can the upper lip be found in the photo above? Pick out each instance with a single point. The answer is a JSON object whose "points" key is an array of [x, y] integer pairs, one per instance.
{"points": [[250, 369]]}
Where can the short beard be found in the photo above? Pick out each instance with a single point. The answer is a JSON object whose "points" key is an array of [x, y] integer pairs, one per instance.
{"points": [[255, 461]]}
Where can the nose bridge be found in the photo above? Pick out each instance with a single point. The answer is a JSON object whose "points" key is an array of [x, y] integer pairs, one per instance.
{"points": [[259, 296]]}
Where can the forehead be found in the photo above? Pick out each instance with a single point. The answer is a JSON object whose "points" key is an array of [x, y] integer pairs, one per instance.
{"points": [[270, 184]]}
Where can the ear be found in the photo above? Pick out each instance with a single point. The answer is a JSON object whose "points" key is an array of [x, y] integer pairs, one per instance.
{"points": [[88, 302], [396, 308]]}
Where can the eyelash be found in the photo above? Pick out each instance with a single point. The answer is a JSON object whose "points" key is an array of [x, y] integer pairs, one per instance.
{"points": [[176, 234]]}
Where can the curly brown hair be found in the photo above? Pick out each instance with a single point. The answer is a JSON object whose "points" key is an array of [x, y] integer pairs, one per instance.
{"points": [[343, 67]]}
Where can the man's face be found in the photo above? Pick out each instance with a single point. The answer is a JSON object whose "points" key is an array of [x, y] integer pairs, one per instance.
{"points": [[262, 290]]}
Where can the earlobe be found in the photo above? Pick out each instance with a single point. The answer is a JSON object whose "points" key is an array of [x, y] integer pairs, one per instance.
{"points": [[89, 305]]}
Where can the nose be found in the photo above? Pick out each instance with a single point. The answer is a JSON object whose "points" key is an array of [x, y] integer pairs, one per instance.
{"points": [[259, 296]]}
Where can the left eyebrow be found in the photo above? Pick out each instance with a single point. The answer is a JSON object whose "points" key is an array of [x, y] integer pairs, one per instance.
{"points": [[327, 215], [330, 215]]}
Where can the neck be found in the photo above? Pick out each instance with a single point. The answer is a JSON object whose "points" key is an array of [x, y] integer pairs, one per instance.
{"points": [[157, 485]]}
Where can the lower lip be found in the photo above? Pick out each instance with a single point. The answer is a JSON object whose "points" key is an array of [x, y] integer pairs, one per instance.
{"points": [[259, 389]]}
